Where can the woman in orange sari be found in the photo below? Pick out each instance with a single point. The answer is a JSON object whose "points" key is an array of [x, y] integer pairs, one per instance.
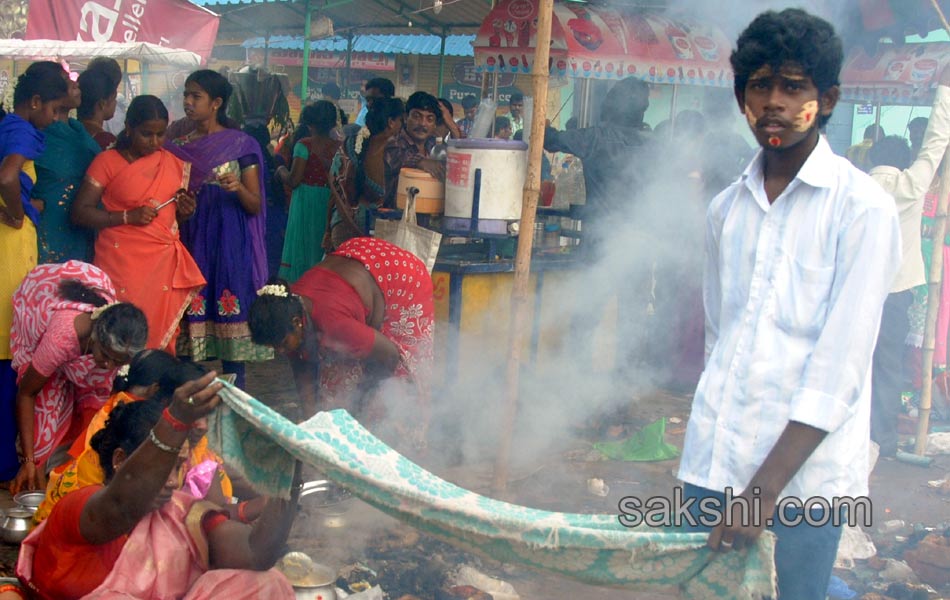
{"points": [[138, 536], [142, 189], [153, 375]]}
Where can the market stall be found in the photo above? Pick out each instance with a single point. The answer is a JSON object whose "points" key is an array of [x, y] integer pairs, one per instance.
{"points": [[904, 74], [907, 74], [600, 42], [588, 43], [72, 50]]}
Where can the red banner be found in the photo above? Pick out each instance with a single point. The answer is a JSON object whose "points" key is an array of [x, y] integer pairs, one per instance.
{"points": [[172, 23]]}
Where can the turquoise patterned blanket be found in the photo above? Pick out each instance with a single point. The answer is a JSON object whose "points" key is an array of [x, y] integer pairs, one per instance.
{"points": [[595, 549]]}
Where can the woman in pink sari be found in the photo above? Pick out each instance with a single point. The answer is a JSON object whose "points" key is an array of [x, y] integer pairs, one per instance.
{"points": [[138, 536], [69, 338], [138, 243]]}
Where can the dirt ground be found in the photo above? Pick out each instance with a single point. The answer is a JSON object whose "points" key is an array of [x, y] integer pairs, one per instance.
{"points": [[559, 482]]}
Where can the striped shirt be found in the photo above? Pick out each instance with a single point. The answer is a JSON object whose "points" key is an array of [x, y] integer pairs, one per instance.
{"points": [[793, 293]]}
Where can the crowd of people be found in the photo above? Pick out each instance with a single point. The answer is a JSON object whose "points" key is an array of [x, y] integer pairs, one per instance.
{"points": [[148, 251], [145, 252]]}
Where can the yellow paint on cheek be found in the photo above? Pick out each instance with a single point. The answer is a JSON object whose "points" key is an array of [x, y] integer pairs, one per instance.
{"points": [[806, 117], [750, 117]]}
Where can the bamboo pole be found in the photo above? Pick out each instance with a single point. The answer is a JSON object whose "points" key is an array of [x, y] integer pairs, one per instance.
{"points": [[933, 295], [520, 301], [933, 305]]}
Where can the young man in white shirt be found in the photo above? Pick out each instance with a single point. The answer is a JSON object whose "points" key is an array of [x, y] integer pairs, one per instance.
{"points": [[908, 182], [801, 252]]}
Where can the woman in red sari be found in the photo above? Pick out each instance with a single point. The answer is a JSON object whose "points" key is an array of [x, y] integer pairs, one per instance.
{"points": [[138, 243], [363, 314]]}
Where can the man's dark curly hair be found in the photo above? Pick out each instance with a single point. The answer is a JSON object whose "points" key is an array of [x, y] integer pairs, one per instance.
{"points": [[790, 36], [425, 102]]}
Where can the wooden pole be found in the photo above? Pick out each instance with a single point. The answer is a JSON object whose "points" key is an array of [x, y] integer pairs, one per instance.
{"points": [[933, 294], [520, 301]]}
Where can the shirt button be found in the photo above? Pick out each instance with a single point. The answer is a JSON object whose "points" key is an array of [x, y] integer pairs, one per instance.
{"points": [[116, 244], [164, 288]]}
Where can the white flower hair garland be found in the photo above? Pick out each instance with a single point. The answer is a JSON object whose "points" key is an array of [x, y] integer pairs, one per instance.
{"points": [[273, 290], [362, 136]]}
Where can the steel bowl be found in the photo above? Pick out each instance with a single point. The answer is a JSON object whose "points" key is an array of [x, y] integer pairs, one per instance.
{"points": [[29, 500], [15, 525], [310, 580]]}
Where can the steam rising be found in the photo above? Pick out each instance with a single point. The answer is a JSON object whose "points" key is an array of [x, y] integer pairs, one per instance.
{"points": [[640, 295], [654, 261]]}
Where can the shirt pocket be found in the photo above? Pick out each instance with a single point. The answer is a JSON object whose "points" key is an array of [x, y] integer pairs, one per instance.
{"points": [[800, 299]]}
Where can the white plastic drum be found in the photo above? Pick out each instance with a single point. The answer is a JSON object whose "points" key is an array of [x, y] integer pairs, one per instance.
{"points": [[503, 166]]}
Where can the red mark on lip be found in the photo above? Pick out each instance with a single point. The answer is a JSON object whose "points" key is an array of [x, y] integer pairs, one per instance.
{"points": [[775, 141], [808, 117]]}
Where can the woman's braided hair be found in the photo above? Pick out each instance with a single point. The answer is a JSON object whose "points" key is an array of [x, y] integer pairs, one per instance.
{"points": [[127, 427]]}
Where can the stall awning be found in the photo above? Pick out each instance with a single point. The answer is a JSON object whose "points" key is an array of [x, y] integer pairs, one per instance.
{"points": [[606, 43], [422, 45], [358, 16], [56, 49], [905, 74]]}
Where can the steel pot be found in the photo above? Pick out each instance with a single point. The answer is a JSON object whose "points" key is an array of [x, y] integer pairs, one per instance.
{"points": [[29, 500], [319, 584], [322, 592], [16, 525]]}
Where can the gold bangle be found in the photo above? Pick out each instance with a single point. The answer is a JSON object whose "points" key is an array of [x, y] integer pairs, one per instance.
{"points": [[160, 444]]}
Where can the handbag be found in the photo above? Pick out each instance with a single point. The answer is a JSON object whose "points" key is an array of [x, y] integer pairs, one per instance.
{"points": [[409, 236]]}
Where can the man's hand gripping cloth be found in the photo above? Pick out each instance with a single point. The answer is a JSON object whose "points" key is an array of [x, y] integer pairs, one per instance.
{"points": [[596, 549]]}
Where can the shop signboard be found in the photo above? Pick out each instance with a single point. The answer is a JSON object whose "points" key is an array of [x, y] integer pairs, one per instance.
{"points": [[325, 60], [467, 80]]}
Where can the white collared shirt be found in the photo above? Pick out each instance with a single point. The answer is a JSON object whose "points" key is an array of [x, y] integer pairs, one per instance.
{"points": [[793, 293], [908, 187]]}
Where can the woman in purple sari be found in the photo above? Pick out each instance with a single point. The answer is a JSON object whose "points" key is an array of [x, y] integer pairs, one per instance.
{"points": [[226, 234]]}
